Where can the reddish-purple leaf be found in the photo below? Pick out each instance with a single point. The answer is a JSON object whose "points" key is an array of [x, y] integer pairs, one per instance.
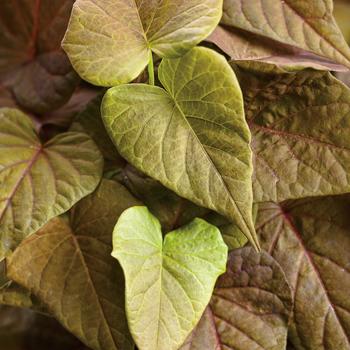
{"points": [[32, 63]]}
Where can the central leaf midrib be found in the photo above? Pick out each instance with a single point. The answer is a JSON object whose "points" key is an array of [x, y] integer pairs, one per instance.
{"points": [[212, 163]]}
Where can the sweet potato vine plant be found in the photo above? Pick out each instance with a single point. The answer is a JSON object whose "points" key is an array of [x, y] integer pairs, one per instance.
{"points": [[174, 174]]}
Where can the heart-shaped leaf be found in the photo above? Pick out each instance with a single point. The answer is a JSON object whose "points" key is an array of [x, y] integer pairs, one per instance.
{"points": [[168, 285], [308, 25], [300, 124], [310, 239], [250, 307], [40, 181], [32, 63], [192, 137], [110, 42], [68, 266]]}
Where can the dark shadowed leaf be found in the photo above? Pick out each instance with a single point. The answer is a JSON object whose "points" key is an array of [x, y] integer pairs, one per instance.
{"points": [[250, 307], [40, 181], [308, 25], [22, 329], [69, 268], [32, 63], [64, 116], [107, 48], [170, 209], [300, 124], [192, 136], [170, 282], [310, 238], [90, 122]]}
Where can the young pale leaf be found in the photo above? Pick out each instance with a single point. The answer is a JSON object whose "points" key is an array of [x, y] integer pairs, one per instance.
{"points": [[308, 25], [168, 285], [69, 268], [32, 63], [192, 137], [310, 239], [300, 124], [40, 181], [110, 42], [250, 307]]}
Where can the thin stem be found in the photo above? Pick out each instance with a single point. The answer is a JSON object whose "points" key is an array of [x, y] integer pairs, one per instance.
{"points": [[150, 70]]}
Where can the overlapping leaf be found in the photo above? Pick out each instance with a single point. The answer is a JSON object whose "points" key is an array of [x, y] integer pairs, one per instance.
{"points": [[192, 137], [250, 307], [308, 25], [300, 123], [110, 42], [310, 238], [40, 181], [69, 268], [168, 285], [32, 63], [240, 45]]}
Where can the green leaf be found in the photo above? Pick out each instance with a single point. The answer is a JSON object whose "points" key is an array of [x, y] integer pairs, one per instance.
{"points": [[310, 240], [308, 25], [192, 137], [69, 268], [107, 48], [40, 181], [300, 124], [250, 307], [168, 284]]}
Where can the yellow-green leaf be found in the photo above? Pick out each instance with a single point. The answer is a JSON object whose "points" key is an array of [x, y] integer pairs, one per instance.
{"points": [[110, 42], [168, 284], [40, 181], [192, 136]]}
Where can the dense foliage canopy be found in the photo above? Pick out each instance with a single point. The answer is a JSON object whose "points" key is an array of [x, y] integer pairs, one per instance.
{"points": [[174, 175]]}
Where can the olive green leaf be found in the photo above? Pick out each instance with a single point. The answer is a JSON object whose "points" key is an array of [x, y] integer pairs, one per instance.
{"points": [[40, 181], [69, 268], [310, 239], [192, 137], [300, 124], [168, 284], [308, 25], [32, 64], [241, 45], [250, 307], [341, 14], [110, 42]]}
